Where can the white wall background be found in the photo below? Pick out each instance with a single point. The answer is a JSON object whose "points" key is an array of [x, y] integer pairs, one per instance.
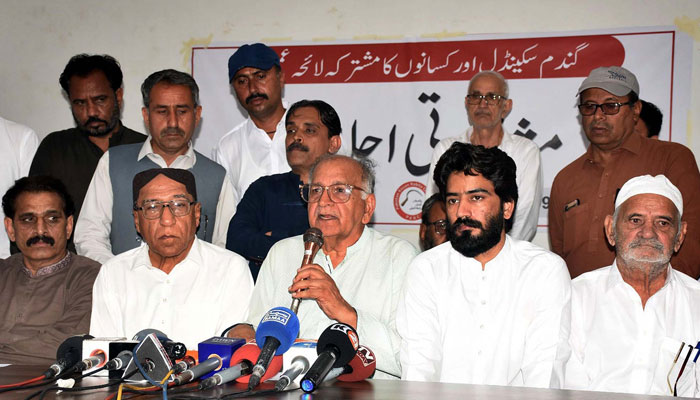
{"points": [[39, 36]]}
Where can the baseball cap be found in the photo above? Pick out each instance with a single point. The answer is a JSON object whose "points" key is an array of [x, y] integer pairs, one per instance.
{"points": [[616, 80], [255, 55]]}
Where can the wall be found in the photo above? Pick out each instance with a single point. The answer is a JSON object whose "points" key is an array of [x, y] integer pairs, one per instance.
{"points": [[40, 36]]}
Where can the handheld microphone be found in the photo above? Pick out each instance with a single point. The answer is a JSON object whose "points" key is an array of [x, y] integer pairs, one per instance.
{"points": [[276, 331], [198, 370], [120, 361], [68, 354], [186, 363], [241, 364], [272, 369], [301, 354], [96, 360], [361, 367], [313, 241], [337, 345], [174, 350]]}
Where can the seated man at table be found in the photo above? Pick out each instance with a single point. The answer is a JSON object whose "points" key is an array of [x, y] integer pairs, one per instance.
{"points": [[176, 282], [487, 309], [634, 323], [357, 275], [45, 290]]}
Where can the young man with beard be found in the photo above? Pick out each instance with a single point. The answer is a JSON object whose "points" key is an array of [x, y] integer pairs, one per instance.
{"points": [[488, 309], [93, 85]]}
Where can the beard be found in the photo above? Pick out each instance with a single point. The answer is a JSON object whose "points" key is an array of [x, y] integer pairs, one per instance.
{"points": [[100, 131], [472, 245]]}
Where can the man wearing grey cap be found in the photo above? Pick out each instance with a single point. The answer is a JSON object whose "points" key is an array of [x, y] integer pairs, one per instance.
{"points": [[255, 148], [583, 193], [175, 276], [634, 323]]}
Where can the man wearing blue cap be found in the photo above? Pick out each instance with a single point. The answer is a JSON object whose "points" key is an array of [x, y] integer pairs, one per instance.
{"points": [[255, 148]]}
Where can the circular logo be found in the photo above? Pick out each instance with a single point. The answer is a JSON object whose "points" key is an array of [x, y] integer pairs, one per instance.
{"points": [[408, 200]]}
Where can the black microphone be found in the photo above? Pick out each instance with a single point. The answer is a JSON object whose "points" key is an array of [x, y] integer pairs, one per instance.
{"points": [[69, 353], [198, 370], [336, 346], [120, 361], [275, 334], [174, 350], [313, 241]]}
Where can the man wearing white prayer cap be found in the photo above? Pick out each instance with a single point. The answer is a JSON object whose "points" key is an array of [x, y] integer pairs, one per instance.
{"points": [[634, 324]]}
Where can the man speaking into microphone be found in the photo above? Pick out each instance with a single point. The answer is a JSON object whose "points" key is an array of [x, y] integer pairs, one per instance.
{"points": [[356, 277]]}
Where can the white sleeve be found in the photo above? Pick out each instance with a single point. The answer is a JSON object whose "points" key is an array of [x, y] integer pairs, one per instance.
{"points": [[30, 142], [95, 220], [529, 194], [105, 319], [418, 325], [225, 209]]}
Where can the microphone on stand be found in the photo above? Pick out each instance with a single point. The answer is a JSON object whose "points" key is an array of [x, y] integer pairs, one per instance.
{"points": [[313, 241], [336, 347]]}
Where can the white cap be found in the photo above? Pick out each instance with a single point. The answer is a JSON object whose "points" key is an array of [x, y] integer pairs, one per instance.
{"points": [[647, 184]]}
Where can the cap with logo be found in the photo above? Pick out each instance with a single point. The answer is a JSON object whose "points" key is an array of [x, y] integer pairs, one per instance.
{"points": [[616, 80]]}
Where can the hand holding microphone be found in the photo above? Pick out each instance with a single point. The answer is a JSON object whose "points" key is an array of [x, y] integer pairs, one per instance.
{"points": [[313, 241]]}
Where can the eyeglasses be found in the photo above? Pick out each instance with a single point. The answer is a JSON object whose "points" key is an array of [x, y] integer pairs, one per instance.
{"points": [[607, 108], [154, 209], [338, 193], [491, 99], [440, 226]]}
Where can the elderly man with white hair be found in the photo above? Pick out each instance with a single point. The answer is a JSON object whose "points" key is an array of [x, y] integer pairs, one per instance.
{"points": [[635, 323]]}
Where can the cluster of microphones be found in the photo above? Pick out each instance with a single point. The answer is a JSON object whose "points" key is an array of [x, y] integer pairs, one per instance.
{"points": [[151, 356]]}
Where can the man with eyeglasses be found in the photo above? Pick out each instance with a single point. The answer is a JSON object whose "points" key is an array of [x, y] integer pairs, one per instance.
{"points": [[433, 223], [485, 308], [176, 283], [171, 111], [355, 278], [583, 193], [272, 208], [634, 325], [487, 106]]}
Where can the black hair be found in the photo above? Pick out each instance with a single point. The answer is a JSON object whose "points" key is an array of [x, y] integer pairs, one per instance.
{"points": [[171, 77], [326, 112], [652, 118], [491, 163], [427, 205], [36, 184], [84, 64]]}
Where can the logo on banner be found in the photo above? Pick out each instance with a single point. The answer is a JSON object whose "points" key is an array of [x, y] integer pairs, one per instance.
{"points": [[408, 200]]}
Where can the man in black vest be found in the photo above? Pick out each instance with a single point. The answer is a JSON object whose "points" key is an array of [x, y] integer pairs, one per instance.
{"points": [[171, 112]]}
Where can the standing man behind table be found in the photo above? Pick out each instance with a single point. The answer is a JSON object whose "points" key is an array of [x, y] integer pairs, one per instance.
{"points": [[256, 147], [356, 277], [171, 112], [487, 106], [93, 84], [272, 208]]}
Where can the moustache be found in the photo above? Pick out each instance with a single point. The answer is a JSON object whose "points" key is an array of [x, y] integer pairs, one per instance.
{"points": [[172, 131], [94, 119], [40, 238], [297, 146], [254, 95], [654, 243], [468, 222]]}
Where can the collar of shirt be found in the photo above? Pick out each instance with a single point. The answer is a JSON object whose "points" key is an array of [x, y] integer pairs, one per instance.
{"points": [[142, 260], [615, 279], [633, 144], [506, 139], [184, 161], [49, 269], [359, 245]]}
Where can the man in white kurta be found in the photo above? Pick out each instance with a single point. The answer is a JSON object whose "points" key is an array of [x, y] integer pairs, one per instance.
{"points": [[623, 338], [357, 276], [483, 308], [188, 288], [485, 117]]}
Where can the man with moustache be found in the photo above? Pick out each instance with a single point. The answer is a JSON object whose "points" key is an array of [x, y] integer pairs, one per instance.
{"points": [[256, 147], [176, 282], [583, 193], [45, 290], [487, 105], [93, 85], [171, 112], [272, 208], [634, 323], [356, 276], [488, 309], [433, 223]]}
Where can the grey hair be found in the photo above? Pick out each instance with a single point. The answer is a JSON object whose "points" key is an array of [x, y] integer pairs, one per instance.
{"points": [[170, 77], [365, 163], [504, 82]]}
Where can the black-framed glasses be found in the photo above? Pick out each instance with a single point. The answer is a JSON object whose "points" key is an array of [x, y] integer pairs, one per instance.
{"points": [[154, 209], [440, 226], [338, 193], [491, 99], [607, 108]]}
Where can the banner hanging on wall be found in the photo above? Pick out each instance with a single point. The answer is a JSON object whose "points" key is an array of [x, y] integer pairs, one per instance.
{"points": [[397, 99]]}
